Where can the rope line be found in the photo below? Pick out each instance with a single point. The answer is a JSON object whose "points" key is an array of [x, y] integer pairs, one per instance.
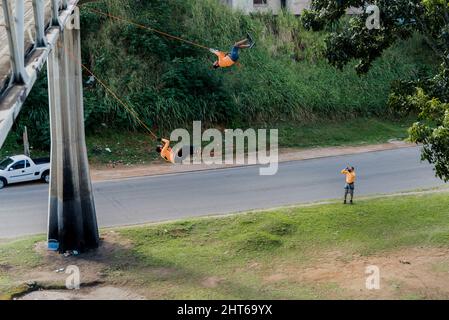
{"points": [[130, 109], [147, 28]]}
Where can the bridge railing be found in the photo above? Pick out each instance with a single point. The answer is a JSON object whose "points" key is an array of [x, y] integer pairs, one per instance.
{"points": [[19, 23], [30, 31]]}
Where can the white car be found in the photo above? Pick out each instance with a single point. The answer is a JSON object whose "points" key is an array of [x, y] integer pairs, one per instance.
{"points": [[22, 168]]}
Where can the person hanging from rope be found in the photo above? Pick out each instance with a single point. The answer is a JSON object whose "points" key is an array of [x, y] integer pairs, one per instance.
{"points": [[226, 60], [169, 155], [166, 151]]}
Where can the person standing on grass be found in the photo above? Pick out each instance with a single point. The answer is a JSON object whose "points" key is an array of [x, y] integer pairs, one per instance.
{"points": [[350, 183]]}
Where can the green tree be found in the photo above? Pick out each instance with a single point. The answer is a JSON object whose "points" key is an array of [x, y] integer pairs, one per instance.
{"points": [[350, 39], [432, 130]]}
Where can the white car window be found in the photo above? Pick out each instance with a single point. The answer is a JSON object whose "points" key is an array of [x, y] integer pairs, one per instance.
{"points": [[5, 163], [18, 165]]}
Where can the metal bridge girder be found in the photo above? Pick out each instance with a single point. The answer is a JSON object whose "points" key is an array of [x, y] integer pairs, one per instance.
{"points": [[15, 27], [39, 23]]}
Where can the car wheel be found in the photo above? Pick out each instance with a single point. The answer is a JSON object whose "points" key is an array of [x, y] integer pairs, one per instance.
{"points": [[46, 177], [2, 183]]}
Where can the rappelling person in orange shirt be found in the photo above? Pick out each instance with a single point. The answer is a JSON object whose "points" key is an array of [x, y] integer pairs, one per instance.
{"points": [[166, 151], [226, 60], [169, 155]]}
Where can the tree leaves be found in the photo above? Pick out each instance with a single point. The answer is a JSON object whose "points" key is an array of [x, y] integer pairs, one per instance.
{"points": [[399, 20]]}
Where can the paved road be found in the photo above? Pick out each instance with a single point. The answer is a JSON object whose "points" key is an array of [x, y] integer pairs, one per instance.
{"points": [[23, 208]]}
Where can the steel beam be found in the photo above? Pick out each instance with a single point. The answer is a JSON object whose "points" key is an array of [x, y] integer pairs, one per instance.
{"points": [[15, 31], [39, 23], [12, 100], [55, 12]]}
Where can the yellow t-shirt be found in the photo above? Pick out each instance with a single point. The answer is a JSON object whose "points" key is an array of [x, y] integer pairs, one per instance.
{"points": [[167, 152], [224, 60], [350, 176]]}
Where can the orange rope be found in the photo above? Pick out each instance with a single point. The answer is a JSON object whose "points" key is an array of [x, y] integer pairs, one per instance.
{"points": [[130, 109], [148, 28]]}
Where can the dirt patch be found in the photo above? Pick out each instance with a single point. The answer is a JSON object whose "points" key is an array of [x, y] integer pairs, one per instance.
{"points": [[93, 267], [5, 267], [211, 282], [101, 293], [408, 273], [91, 264]]}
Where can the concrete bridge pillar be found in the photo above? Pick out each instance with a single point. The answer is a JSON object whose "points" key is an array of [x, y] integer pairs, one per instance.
{"points": [[72, 218]]}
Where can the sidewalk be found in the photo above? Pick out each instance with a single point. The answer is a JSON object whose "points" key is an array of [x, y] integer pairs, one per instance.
{"points": [[158, 168]]}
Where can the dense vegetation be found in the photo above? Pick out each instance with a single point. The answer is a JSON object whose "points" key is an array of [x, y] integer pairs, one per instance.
{"points": [[169, 83], [427, 96]]}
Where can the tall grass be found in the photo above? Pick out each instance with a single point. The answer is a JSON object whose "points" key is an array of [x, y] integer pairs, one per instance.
{"points": [[170, 83]]}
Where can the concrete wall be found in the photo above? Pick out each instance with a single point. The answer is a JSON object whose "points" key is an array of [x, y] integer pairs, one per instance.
{"points": [[295, 6]]}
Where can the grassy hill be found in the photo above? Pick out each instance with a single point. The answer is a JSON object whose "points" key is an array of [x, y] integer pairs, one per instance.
{"points": [[283, 80]]}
